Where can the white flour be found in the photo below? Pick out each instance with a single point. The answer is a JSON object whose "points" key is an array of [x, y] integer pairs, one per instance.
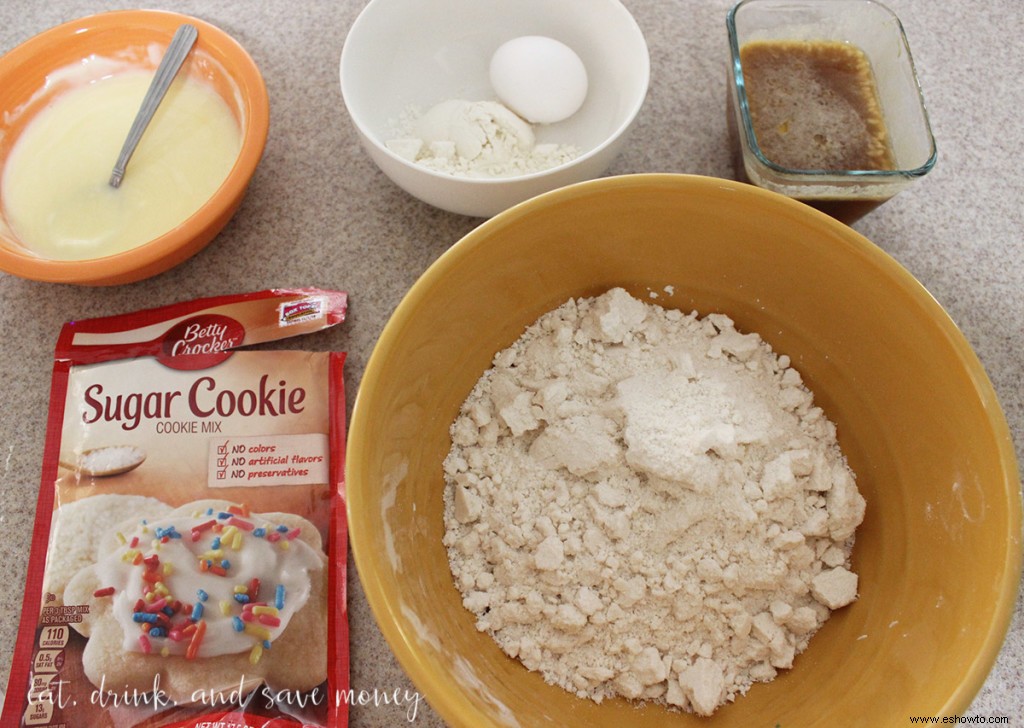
{"points": [[474, 139], [647, 504]]}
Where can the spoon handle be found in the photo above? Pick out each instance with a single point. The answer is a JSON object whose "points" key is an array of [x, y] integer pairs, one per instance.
{"points": [[178, 49]]}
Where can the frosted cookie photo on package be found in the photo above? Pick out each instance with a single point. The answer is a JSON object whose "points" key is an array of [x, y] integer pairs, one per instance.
{"points": [[189, 555]]}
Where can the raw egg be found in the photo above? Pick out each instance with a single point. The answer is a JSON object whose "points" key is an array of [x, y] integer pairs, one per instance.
{"points": [[539, 78]]}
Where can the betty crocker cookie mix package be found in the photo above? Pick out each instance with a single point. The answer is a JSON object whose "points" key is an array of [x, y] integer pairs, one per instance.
{"points": [[189, 553]]}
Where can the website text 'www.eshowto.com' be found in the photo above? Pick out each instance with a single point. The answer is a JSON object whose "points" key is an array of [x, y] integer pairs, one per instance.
{"points": [[960, 720]]}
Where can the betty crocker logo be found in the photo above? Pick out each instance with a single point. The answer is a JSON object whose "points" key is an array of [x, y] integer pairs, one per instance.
{"points": [[200, 342]]}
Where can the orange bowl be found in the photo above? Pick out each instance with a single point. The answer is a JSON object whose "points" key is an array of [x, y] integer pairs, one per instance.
{"points": [[938, 554], [216, 59]]}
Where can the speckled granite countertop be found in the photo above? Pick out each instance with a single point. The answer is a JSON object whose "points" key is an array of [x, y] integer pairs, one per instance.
{"points": [[319, 213]]}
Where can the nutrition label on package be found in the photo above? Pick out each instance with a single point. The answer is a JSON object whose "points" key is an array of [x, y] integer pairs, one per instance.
{"points": [[46, 687], [268, 460]]}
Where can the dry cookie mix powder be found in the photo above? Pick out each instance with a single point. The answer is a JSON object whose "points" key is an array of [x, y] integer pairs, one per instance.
{"points": [[648, 504]]}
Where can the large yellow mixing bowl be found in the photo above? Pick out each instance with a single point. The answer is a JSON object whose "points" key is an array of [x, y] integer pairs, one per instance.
{"points": [[939, 553]]}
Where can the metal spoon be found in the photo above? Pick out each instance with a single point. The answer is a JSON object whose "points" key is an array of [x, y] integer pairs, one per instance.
{"points": [[93, 463], [182, 42]]}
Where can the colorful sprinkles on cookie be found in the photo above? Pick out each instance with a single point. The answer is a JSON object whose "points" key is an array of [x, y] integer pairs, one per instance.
{"points": [[245, 567]]}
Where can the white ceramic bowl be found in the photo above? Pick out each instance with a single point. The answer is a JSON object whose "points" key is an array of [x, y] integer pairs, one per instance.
{"points": [[417, 53]]}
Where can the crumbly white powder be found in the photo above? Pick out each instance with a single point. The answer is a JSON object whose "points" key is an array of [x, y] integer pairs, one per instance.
{"points": [[474, 139], [108, 459], [648, 504]]}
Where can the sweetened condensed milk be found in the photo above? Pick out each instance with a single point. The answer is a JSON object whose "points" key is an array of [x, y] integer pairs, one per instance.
{"points": [[55, 193]]}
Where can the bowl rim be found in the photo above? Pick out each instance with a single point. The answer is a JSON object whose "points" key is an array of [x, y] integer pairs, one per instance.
{"points": [[147, 257], [373, 139], [452, 705]]}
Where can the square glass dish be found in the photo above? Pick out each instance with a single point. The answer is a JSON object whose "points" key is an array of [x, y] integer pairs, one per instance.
{"points": [[825, 104]]}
